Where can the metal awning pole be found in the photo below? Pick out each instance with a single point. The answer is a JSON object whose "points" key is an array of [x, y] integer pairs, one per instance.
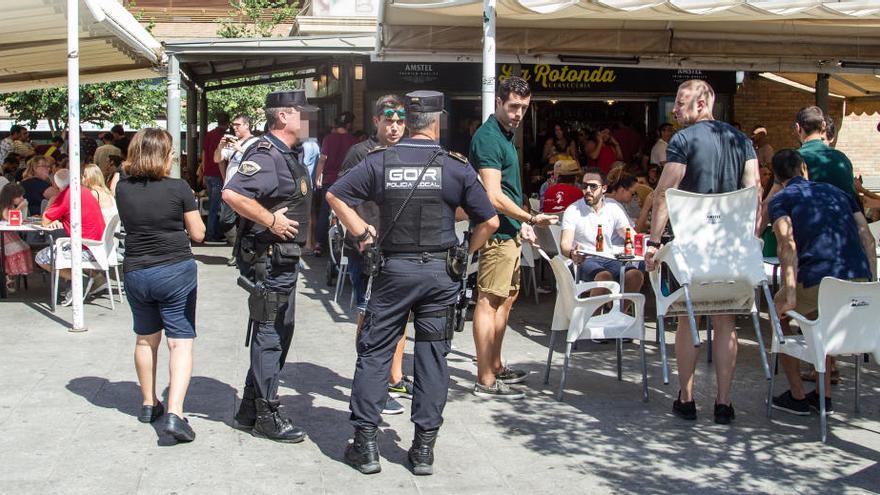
{"points": [[488, 84], [173, 112], [73, 151]]}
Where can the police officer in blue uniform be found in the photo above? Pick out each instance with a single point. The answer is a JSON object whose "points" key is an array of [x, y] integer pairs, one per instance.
{"points": [[272, 193], [418, 187]]}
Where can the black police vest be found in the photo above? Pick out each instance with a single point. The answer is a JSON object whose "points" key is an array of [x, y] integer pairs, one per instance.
{"points": [[298, 203], [427, 224]]}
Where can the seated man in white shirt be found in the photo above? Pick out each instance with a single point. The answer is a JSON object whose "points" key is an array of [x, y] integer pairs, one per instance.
{"points": [[580, 224]]}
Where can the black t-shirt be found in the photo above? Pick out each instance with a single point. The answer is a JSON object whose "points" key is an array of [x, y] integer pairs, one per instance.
{"points": [[34, 188], [714, 153], [152, 214]]}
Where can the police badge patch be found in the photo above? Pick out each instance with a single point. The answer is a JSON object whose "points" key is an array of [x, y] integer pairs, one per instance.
{"points": [[303, 186], [248, 168]]}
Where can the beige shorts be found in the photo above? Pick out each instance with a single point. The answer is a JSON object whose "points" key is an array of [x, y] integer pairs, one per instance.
{"points": [[499, 269]]}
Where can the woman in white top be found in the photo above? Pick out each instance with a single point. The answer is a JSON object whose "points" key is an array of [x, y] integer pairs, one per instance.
{"points": [[93, 178]]}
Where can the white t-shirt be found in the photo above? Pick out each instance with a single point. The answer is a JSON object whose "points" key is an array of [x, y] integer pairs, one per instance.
{"points": [[658, 152], [233, 157], [585, 221]]}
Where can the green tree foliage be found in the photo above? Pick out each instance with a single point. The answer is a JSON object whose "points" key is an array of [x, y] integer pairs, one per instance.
{"points": [[256, 18], [135, 103], [248, 100]]}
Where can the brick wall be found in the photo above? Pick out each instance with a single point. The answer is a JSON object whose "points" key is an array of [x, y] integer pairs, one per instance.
{"points": [[774, 105]]}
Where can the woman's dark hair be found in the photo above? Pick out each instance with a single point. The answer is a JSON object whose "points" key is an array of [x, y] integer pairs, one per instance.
{"points": [[787, 164], [622, 180], [9, 193], [149, 154]]}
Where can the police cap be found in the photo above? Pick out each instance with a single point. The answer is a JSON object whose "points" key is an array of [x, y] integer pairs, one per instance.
{"points": [[424, 101], [292, 98]]}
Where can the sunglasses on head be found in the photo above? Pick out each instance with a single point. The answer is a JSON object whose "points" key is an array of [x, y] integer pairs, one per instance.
{"points": [[390, 112]]}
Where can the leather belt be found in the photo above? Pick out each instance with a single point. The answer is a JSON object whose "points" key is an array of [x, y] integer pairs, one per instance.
{"points": [[424, 257]]}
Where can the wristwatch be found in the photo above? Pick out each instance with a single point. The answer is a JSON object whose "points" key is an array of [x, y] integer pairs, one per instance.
{"points": [[531, 220], [655, 244], [363, 237]]}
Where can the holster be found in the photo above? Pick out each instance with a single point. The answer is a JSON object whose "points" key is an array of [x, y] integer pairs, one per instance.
{"points": [[372, 261], [456, 261], [448, 329]]}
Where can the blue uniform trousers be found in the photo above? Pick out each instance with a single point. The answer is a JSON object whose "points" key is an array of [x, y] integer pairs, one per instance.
{"points": [[271, 340], [404, 285]]}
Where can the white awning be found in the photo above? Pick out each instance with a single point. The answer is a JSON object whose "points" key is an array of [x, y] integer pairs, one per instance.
{"points": [[752, 35], [113, 44]]}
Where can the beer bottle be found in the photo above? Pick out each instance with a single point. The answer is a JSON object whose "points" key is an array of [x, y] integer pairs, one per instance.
{"points": [[628, 243], [600, 240]]}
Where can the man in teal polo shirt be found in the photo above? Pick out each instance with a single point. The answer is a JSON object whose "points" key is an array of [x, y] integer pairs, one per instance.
{"points": [[824, 163], [494, 155]]}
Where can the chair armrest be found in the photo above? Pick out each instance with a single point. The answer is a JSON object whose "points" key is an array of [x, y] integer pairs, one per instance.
{"points": [[801, 319], [591, 304], [91, 242], [582, 287]]}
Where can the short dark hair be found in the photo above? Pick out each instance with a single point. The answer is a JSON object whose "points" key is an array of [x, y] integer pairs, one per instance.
{"points": [[344, 119], [513, 84], [117, 129], [107, 136], [222, 119], [787, 164], [810, 119], [567, 179], [386, 101], [58, 139], [596, 171], [244, 118], [663, 127], [830, 128], [15, 129]]}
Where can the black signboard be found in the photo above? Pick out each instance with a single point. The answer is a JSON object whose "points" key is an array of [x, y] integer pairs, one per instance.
{"points": [[543, 78]]}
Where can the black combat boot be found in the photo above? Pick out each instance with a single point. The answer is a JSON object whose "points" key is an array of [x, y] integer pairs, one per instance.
{"points": [[269, 424], [421, 454], [363, 452], [247, 410]]}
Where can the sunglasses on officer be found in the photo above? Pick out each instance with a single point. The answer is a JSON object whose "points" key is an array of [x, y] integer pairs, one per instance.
{"points": [[390, 112]]}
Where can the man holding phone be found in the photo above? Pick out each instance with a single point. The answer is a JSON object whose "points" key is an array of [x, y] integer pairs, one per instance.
{"points": [[233, 145]]}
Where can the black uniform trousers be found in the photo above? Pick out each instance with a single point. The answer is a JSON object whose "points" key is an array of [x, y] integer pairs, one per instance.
{"points": [[404, 285], [270, 340]]}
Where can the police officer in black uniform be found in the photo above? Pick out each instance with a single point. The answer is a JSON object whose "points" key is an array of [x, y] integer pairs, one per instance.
{"points": [[272, 193], [418, 187]]}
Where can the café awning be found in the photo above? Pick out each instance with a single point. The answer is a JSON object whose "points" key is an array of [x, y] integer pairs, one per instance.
{"points": [[752, 35], [112, 44]]}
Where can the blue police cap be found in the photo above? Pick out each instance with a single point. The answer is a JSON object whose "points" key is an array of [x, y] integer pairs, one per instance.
{"points": [[424, 101], [293, 98]]}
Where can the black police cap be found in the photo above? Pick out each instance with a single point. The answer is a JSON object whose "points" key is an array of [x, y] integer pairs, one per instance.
{"points": [[289, 99], [424, 101]]}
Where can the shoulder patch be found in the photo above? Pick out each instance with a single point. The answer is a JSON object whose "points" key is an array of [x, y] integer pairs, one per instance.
{"points": [[249, 168], [377, 149], [458, 156], [264, 144]]}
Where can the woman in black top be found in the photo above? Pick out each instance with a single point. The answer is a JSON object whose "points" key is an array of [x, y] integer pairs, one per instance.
{"points": [[36, 184], [157, 211]]}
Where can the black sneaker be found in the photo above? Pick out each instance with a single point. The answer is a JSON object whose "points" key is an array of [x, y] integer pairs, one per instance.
{"points": [[785, 402], [510, 376], [813, 399], [498, 390], [724, 413], [392, 406], [685, 410]]}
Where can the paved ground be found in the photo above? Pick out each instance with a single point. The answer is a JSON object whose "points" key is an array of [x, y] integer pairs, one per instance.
{"points": [[68, 405]]}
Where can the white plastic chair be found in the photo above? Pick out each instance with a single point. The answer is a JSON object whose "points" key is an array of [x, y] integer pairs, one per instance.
{"points": [[535, 205], [104, 252], [874, 227], [527, 263], [340, 259], [716, 253], [847, 324], [574, 314]]}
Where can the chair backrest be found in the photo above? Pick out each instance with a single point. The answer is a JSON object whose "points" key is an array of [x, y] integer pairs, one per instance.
{"points": [[715, 237], [565, 293], [556, 232], [535, 205], [461, 227], [104, 251], [848, 313], [874, 227]]}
